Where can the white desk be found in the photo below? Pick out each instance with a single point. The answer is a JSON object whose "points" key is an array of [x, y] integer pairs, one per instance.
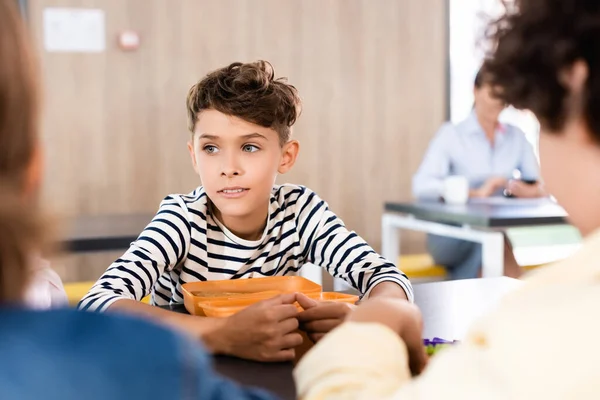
{"points": [[479, 221]]}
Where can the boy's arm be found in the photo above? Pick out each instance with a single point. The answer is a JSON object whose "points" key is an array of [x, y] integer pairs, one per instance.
{"points": [[346, 255], [377, 368], [265, 331], [385, 338], [162, 245], [388, 290]]}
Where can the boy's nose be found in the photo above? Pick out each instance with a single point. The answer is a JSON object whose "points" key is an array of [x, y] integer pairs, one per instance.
{"points": [[230, 168], [230, 173]]}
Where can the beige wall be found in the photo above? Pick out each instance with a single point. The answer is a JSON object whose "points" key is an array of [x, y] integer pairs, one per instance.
{"points": [[371, 74]]}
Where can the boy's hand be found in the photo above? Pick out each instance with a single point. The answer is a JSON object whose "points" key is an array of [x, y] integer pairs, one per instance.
{"points": [[320, 317], [403, 318], [264, 331]]}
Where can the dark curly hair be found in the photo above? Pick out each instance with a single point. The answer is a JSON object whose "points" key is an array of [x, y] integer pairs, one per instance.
{"points": [[250, 92], [532, 44]]}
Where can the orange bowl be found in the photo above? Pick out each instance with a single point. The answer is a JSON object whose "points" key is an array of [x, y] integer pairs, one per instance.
{"points": [[226, 307], [254, 289]]}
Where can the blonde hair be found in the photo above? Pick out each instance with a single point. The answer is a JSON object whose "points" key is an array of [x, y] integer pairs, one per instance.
{"points": [[18, 97], [19, 221], [20, 231]]}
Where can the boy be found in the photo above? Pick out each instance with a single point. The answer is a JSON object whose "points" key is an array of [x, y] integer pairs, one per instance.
{"points": [[534, 345], [239, 225]]}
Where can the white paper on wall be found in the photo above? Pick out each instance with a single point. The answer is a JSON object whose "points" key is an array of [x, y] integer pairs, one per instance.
{"points": [[80, 30]]}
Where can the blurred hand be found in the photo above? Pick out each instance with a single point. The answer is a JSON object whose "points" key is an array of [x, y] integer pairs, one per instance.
{"points": [[491, 186], [521, 189], [265, 331], [320, 317], [402, 317]]}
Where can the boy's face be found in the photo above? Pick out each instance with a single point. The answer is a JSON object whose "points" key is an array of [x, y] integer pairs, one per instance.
{"points": [[237, 162]]}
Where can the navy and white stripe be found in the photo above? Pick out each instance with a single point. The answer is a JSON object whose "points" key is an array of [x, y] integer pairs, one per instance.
{"points": [[185, 243]]}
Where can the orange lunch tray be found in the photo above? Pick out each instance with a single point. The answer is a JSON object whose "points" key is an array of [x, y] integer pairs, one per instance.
{"points": [[254, 289], [228, 307]]}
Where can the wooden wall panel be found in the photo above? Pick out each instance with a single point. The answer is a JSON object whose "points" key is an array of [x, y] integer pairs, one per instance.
{"points": [[371, 74]]}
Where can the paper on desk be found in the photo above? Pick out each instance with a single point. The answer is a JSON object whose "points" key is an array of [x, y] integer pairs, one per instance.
{"points": [[508, 201]]}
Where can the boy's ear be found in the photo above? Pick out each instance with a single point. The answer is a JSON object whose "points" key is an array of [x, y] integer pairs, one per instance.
{"points": [[289, 154], [190, 146]]}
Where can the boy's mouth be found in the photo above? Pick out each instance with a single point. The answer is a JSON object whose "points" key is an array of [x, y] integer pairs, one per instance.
{"points": [[233, 192]]}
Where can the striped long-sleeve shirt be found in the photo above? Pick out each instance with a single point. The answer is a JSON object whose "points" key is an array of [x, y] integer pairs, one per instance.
{"points": [[186, 243]]}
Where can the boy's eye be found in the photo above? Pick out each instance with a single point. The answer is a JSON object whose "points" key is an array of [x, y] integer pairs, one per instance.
{"points": [[210, 149], [250, 148]]}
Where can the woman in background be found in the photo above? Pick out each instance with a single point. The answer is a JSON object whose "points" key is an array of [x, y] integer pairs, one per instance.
{"points": [[487, 153]]}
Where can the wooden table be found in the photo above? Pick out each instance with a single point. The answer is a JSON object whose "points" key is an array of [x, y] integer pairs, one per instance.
{"points": [[448, 310]]}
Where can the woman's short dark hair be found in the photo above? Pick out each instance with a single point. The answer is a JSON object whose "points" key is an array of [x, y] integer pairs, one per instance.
{"points": [[482, 77]]}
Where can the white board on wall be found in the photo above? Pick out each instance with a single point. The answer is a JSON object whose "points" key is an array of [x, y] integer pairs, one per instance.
{"points": [[74, 30]]}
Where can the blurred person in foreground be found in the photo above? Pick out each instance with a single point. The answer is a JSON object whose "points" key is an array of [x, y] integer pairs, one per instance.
{"points": [[21, 158], [65, 354], [546, 59]]}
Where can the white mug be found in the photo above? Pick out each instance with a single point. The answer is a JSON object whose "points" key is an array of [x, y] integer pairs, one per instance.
{"points": [[456, 190]]}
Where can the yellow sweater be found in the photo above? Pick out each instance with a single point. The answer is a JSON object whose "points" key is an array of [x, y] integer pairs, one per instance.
{"points": [[540, 343]]}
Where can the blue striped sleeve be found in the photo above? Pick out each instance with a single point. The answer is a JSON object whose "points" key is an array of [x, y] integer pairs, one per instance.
{"points": [[327, 243], [163, 244]]}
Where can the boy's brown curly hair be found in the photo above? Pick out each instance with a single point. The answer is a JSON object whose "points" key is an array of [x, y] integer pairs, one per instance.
{"points": [[536, 41], [250, 92]]}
